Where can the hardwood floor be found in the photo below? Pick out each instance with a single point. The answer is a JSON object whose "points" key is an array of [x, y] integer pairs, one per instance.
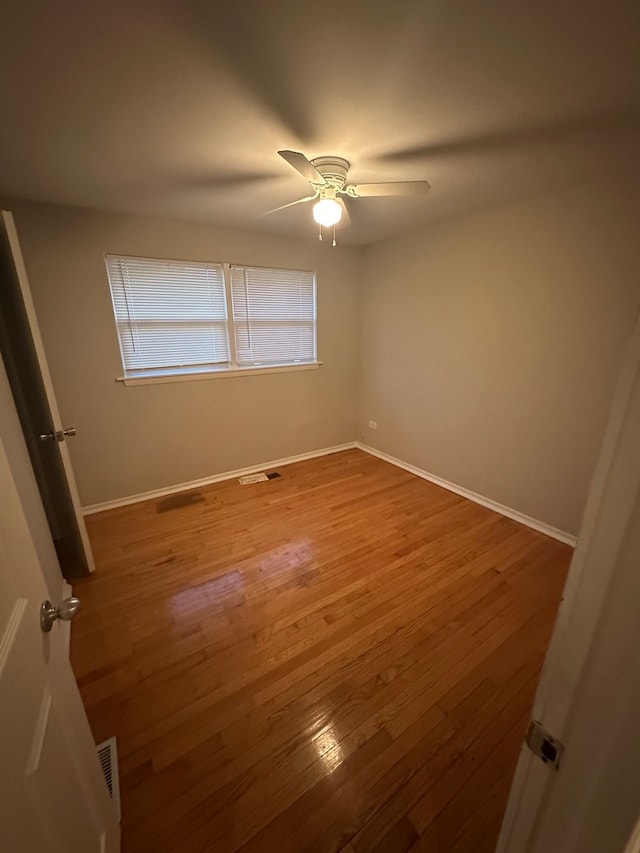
{"points": [[343, 658]]}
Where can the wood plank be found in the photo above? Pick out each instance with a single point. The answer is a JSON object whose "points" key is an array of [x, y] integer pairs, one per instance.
{"points": [[319, 662], [463, 823]]}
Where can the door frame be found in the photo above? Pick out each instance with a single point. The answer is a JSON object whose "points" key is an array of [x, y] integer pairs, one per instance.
{"points": [[25, 290]]}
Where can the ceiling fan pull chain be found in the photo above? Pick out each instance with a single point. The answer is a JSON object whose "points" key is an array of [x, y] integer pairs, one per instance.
{"points": [[320, 233], [334, 236]]}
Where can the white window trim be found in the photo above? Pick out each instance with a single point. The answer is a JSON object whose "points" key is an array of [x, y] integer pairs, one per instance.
{"points": [[221, 373], [177, 374]]}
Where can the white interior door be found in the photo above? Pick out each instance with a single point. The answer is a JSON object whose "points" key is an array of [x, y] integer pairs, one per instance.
{"points": [[589, 692], [53, 796], [56, 427]]}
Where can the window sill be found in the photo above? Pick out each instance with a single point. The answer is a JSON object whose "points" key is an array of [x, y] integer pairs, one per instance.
{"points": [[160, 379]]}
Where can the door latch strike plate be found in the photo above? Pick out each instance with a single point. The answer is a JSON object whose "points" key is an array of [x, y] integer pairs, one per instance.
{"points": [[543, 744]]}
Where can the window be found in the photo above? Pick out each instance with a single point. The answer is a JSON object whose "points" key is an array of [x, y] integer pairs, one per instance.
{"points": [[274, 316], [180, 317]]}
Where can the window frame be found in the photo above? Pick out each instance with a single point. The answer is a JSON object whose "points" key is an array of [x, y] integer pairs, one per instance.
{"points": [[193, 373]]}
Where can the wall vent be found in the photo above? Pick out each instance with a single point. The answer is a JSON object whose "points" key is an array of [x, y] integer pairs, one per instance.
{"points": [[108, 757]]}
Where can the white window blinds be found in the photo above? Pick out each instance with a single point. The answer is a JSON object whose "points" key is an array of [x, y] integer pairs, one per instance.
{"points": [[170, 315], [274, 316]]}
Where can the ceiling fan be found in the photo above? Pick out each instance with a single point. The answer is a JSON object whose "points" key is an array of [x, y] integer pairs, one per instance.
{"points": [[328, 179]]}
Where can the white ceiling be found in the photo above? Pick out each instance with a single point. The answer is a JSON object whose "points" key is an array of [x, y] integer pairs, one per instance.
{"points": [[177, 107]]}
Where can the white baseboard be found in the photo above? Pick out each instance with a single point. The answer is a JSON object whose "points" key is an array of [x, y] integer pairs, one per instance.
{"points": [[520, 517], [540, 526], [215, 478]]}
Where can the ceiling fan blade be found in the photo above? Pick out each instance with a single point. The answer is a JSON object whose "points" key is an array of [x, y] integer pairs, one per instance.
{"points": [[346, 219], [302, 165], [389, 188], [291, 204]]}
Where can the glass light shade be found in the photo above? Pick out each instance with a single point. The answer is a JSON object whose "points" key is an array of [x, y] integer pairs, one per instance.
{"points": [[327, 212]]}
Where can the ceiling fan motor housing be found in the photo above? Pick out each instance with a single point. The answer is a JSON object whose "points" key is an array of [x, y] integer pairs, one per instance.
{"points": [[333, 169]]}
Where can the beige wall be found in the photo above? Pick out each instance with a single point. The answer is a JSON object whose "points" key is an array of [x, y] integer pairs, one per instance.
{"points": [[134, 439], [489, 348], [490, 345]]}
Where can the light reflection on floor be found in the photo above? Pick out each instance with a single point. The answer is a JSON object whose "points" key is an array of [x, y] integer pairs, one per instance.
{"points": [[290, 556], [227, 588], [328, 748], [293, 558]]}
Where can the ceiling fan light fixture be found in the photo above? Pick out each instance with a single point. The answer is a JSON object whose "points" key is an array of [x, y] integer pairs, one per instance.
{"points": [[327, 212]]}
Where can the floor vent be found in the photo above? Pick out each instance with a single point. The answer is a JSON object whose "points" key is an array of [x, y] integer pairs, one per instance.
{"points": [[108, 756], [253, 478], [258, 478]]}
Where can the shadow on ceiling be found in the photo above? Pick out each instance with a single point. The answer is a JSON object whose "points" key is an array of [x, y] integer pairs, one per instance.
{"points": [[603, 129]]}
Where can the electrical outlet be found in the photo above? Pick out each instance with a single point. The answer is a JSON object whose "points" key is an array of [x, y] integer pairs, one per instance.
{"points": [[373, 425]]}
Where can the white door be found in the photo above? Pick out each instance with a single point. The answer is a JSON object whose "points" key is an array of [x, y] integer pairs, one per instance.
{"points": [[53, 796], [54, 427], [589, 692]]}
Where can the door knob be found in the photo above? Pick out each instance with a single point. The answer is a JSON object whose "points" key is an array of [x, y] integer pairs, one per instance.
{"points": [[58, 434], [66, 610]]}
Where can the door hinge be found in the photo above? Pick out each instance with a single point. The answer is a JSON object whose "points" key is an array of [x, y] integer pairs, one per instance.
{"points": [[543, 744]]}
